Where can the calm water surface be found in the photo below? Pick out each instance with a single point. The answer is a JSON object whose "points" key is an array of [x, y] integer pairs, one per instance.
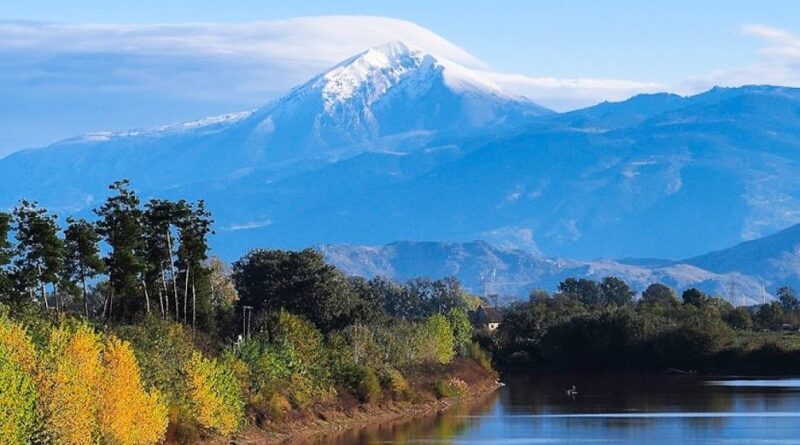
{"points": [[617, 410]]}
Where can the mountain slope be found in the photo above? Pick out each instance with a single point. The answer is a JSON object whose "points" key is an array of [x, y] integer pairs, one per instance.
{"points": [[514, 273], [696, 178], [398, 144], [389, 98], [775, 258]]}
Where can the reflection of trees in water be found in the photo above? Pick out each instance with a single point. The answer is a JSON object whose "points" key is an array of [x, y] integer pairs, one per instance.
{"points": [[545, 395], [441, 426]]}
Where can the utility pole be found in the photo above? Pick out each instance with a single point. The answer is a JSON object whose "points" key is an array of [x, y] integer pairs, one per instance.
{"points": [[247, 313]]}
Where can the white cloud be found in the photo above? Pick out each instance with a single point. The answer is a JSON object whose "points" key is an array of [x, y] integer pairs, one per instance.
{"points": [[248, 225], [779, 63], [308, 40], [565, 94], [259, 59], [117, 76]]}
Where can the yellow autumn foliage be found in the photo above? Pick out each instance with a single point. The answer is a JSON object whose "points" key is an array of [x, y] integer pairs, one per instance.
{"points": [[128, 414], [18, 416], [92, 393], [68, 377], [215, 394], [17, 344]]}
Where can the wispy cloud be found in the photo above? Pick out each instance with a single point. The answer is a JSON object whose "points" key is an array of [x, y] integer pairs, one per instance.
{"points": [[778, 64], [311, 40], [247, 225], [565, 94]]}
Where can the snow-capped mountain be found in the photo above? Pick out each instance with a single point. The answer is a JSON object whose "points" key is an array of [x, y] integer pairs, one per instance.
{"points": [[399, 144], [389, 98], [392, 97]]}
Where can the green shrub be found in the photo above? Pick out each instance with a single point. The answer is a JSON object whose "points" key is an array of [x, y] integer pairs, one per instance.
{"points": [[18, 415], [475, 352], [369, 388], [215, 394], [163, 351], [344, 370], [450, 388], [397, 385], [277, 406]]}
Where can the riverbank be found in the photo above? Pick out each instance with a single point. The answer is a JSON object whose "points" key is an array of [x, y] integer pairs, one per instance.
{"points": [[345, 413]]}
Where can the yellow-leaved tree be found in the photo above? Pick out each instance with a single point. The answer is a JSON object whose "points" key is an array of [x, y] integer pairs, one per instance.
{"points": [[92, 392], [215, 394], [18, 415], [128, 414], [69, 373]]}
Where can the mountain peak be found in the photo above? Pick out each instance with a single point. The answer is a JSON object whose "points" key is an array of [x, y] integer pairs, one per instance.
{"points": [[367, 76]]}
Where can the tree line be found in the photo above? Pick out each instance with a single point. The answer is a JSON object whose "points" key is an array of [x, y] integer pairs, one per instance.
{"points": [[154, 261], [593, 326]]}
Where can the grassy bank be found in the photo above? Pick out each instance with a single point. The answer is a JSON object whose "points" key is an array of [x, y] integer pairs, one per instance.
{"points": [[466, 379]]}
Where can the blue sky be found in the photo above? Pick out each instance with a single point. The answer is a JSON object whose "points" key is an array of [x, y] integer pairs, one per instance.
{"points": [[75, 79]]}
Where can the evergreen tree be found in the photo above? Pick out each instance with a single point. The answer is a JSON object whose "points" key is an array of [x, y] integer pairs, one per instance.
{"points": [[82, 260], [40, 252], [6, 254], [121, 226]]}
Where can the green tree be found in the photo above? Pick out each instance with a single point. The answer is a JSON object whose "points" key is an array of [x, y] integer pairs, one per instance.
{"points": [[694, 297], [40, 252], [194, 226], [462, 328], [660, 294], [299, 282], [82, 259], [121, 226], [538, 295], [770, 315], [159, 218], [6, 255], [787, 298], [740, 318], [586, 291], [438, 329], [616, 291]]}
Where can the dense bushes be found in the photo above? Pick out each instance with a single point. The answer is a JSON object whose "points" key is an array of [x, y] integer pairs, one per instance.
{"points": [[80, 388], [215, 394]]}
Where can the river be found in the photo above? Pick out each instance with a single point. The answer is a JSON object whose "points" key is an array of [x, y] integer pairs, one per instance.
{"points": [[536, 409]]}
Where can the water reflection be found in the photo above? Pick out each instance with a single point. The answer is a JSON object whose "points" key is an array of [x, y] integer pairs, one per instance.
{"points": [[620, 409]]}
